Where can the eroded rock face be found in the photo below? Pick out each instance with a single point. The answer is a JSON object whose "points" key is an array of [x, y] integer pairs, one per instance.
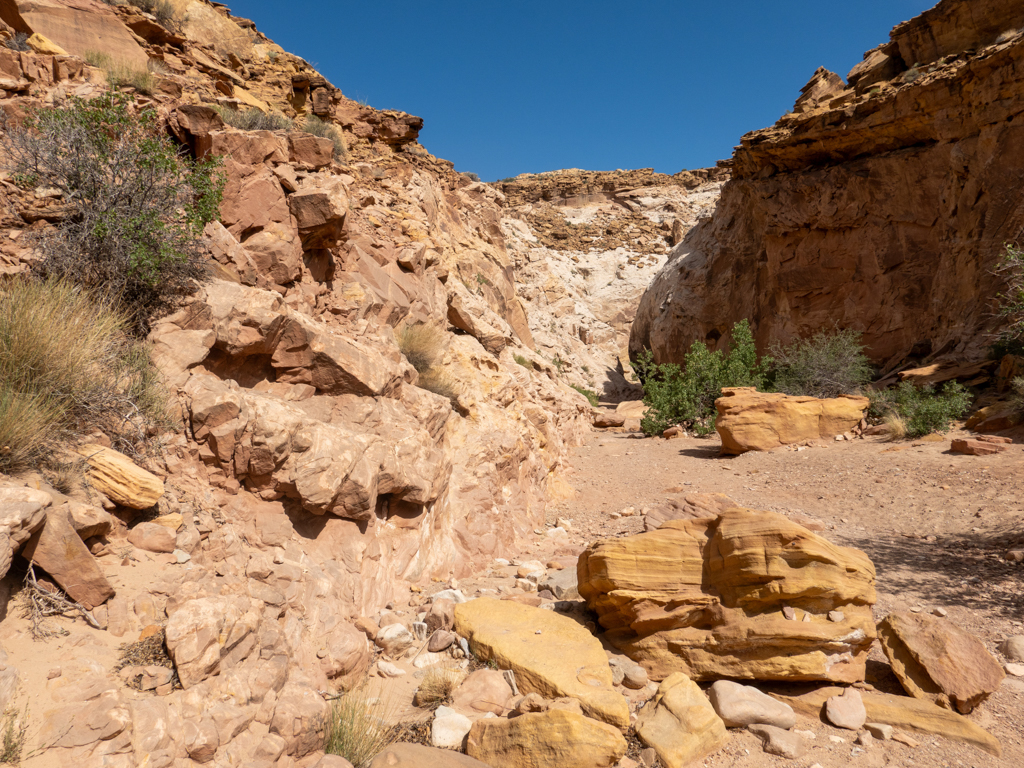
{"points": [[540, 739], [689, 596], [870, 210], [749, 420]]}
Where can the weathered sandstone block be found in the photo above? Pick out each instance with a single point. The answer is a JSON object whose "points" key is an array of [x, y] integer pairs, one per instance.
{"points": [[120, 479], [749, 420], [706, 597], [543, 739], [680, 723]]}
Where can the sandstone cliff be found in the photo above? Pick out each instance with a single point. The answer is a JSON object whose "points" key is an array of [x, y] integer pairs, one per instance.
{"points": [[881, 204], [585, 245]]}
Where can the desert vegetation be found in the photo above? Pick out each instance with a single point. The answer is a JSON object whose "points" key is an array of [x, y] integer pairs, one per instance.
{"points": [[359, 725], [423, 346], [136, 206]]}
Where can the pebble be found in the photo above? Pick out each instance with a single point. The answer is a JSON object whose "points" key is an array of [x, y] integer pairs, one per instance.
{"points": [[837, 739], [778, 741], [387, 669], [865, 739], [181, 556], [1017, 670], [940, 612], [880, 731], [836, 616]]}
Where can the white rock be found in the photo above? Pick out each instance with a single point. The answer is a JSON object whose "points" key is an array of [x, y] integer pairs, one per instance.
{"points": [[429, 659], [449, 728], [387, 669], [455, 595], [394, 640]]}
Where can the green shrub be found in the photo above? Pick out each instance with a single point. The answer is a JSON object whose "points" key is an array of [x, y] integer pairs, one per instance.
{"points": [[254, 119], [525, 362], [67, 368], [325, 130], [587, 393], [924, 410], [825, 365], [136, 205], [1011, 302], [15, 732], [686, 394]]}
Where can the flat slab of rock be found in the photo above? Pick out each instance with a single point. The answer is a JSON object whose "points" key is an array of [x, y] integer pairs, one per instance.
{"points": [[551, 654], [418, 756], [976, 447], [778, 741], [692, 506], [545, 739], [690, 596], [742, 705], [904, 712], [152, 537], [120, 479], [680, 723], [449, 728], [936, 660], [58, 549], [846, 710], [749, 420]]}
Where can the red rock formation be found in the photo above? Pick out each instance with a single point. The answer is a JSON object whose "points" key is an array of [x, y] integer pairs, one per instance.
{"points": [[882, 207]]}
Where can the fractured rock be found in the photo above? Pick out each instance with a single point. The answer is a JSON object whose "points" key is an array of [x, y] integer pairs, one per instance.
{"points": [[936, 660], [680, 723], [743, 705], [846, 710], [22, 513], [210, 634], [550, 654], [544, 739], [689, 596], [693, 506]]}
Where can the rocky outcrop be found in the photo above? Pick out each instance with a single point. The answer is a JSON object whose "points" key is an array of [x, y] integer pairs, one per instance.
{"points": [[688, 597], [749, 420], [874, 206], [585, 245]]}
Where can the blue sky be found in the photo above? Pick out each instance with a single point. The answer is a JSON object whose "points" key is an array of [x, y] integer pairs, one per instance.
{"points": [[527, 86]]}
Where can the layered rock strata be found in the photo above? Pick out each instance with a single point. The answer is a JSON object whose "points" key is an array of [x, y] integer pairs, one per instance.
{"points": [[742, 594], [880, 205]]}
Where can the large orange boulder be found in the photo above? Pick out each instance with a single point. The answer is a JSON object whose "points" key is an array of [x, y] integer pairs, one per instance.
{"points": [[749, 420], [742, 594]]}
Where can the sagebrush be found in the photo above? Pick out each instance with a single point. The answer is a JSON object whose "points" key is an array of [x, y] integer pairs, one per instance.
{"points": [[136, 205], [828, 364], [922, 410], [67, 368], [686, 394]]}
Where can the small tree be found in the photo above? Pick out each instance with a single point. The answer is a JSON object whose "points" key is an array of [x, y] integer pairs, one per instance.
{"points": [[825, 365], [687, 394], [136, 205]]}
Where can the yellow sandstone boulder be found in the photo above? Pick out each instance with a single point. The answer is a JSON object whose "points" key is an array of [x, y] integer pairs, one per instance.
{"points": [[551, 655], [545, 740], [120, 479], [744, 594], [680, 723], [749, 420]]}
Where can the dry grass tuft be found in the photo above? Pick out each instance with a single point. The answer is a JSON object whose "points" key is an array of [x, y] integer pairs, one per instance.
{"points": [[438, 686], [67, 368], [440, 382], [122, 74], [66, 476], [422, 345], [15, 729], [39, 602], [254, 119], [360, 725], [325, 130], [896, 426]]}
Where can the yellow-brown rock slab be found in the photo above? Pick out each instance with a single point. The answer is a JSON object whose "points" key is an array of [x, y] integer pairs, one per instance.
{"points": [[120, 479], [706, 597], [680, 724], [749, 420], [901, 712], [551, 655], [556, 738]]}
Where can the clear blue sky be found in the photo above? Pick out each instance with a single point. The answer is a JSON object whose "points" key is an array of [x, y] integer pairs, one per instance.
{"points": [[529, 85]]}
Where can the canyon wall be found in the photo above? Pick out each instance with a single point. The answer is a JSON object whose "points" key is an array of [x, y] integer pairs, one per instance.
{"points": [[881, 204]]}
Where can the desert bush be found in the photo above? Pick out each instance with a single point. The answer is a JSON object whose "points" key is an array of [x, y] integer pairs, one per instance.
{"points": [[422, 345], [136, 205], [67, 367], [325, 130], [825, 365], [123, 74], [254, 119], [525, 362], [18, 42], [359, 726], [1017, 393], [1011, 302], [162, 10], [438, 686], [686, 394], [437, 380], [896, 427], [922, 409], [15, 731], [590, 394]]}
